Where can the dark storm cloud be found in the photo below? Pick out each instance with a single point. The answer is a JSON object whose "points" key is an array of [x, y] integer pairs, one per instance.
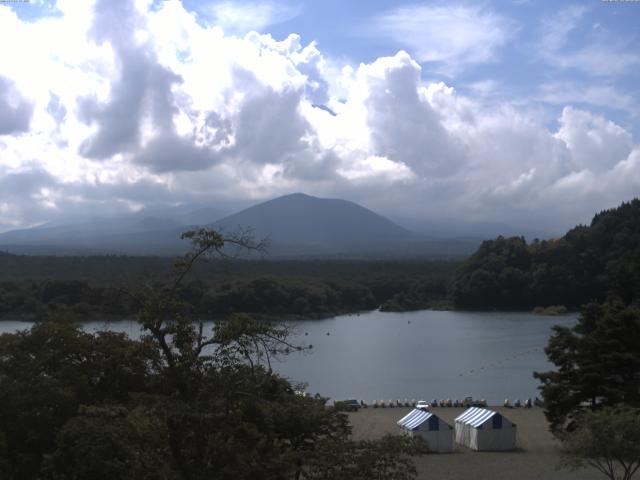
{"points": [[15, 110]]}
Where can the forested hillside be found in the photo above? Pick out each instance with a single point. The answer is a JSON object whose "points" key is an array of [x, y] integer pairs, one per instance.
{"points": [[589, 263], [99, 287]]}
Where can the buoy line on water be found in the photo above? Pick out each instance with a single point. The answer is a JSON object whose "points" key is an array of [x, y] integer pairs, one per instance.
{"points": [[498, 363]]}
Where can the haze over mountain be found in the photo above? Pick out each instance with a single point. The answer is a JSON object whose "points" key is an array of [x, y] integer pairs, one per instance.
{"points": [[296, 225], [153, 231], [456, 228]]}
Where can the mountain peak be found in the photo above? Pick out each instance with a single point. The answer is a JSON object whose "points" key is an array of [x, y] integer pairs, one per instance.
{"points": [[317, 224]]}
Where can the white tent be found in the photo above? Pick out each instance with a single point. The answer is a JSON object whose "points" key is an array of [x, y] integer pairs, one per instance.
{"points": [[437, 433], [482, 429]]}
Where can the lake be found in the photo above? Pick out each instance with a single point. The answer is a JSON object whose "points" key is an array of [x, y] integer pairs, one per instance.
{"points": [[415, 355]]}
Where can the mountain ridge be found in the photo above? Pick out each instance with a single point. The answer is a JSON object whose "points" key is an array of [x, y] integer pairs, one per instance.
{"points": [[298, 226], [320, 224]]}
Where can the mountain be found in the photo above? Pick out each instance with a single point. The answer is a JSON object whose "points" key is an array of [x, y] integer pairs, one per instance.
{"points": [[300, 222], [297, 226], [154, 231], [300, 225]]}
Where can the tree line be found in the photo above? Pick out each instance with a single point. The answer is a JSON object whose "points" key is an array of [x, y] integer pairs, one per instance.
{"points": [[283, 289], [589, 263]]}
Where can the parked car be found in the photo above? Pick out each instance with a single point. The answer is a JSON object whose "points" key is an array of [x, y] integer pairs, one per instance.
{"points": [[422, 405], [350, 405], [470, 402]]}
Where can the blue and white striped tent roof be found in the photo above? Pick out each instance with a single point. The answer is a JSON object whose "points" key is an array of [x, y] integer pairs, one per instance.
{"points": [[414, 419], [475, 416]]}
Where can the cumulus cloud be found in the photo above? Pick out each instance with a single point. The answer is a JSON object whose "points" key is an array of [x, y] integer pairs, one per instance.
{"points": [[158, 109], [15, 110], [403, 126], [596, 144], [142, 88]]}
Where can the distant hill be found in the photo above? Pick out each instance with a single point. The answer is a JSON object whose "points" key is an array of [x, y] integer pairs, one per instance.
{"points": [[297, 225], [300, 222], [302, 225], [148, 232], [446, 228], [588, 263]]}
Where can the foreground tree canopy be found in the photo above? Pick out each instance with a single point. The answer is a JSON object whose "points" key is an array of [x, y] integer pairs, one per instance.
{"points": [[180, 403], [597, 364], [592, 399], [608, 440]]}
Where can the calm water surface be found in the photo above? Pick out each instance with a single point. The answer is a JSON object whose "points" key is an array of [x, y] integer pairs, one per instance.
{"points": [[420, 355]]}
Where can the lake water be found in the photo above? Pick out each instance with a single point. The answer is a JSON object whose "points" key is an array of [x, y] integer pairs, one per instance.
{"points": [[414, 355]]}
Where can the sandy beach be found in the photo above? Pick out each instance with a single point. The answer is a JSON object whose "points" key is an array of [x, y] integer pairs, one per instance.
{"points": [[536, 457]]}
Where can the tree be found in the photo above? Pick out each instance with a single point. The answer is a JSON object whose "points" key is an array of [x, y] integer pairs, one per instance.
{"points": [[48, 372], [110, 442], [589, 263], [230, 415], [608, 440], [181, 403], [598, 364]]}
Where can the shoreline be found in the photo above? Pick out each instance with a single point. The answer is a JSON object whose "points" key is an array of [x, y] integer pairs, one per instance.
{"points": [[299, 318]]}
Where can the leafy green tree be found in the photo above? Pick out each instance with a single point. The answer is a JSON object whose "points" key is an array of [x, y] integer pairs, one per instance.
{"points": [[608, 440], [181, 403], [46, 373], [230, 416], [589, 263], [110, 442], [597, 363]]}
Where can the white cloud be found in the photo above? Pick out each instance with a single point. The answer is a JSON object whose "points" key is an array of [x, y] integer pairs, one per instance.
{"points": [[563, 93], [453, 37], [243, 17], [186, 112], [599, 52], [15, 110], [596, 144]]}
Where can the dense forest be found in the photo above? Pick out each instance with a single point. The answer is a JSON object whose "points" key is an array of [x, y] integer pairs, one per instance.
{"points": [[592, 262], [49, 287], [589, 263]]}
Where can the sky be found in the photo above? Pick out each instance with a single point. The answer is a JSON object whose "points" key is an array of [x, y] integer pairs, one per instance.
{"points": [[513, 111]]}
